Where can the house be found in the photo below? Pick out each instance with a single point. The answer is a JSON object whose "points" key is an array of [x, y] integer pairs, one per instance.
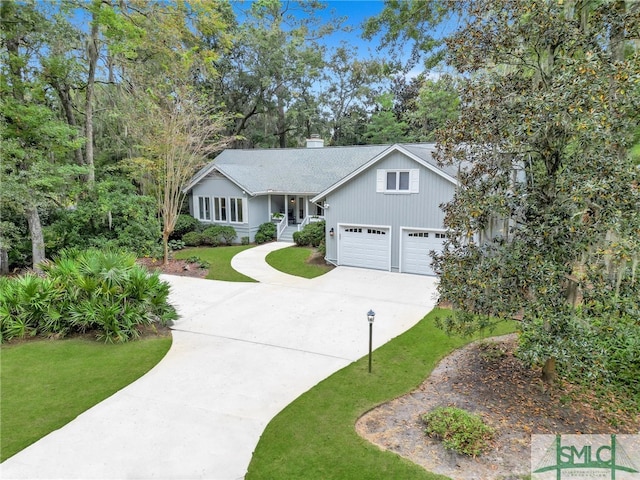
{"points": [[381, 203]]}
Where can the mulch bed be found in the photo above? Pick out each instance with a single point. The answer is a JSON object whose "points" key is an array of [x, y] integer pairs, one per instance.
{"points": [[487, 379]]}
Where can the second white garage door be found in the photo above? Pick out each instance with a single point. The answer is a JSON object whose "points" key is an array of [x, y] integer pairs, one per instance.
{"points": [[415, 248], [367, 247]]}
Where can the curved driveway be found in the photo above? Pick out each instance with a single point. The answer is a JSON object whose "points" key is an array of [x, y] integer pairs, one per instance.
{"points": [[241, 352]]}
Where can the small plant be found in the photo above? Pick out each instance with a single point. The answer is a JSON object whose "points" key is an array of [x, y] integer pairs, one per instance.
{"points": [[459, 430], [176, 244], [244, 240], [195, 259]]}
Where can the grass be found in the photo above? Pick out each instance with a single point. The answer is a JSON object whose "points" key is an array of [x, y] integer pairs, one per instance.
{"points": [[293, 260], [219, 259], [46, 384], [314, 437]]}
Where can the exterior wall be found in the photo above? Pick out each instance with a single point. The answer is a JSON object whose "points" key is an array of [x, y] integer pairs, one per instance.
{"points": [[357, 202], [216, 185]]}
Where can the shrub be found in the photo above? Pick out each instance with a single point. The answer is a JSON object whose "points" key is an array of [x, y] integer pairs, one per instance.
{"points": [[266, 233], [192, 239], [185, 224], [313, 234], [218, 234], [244, 241], [92, 289], [112, 216], [459, 430]]}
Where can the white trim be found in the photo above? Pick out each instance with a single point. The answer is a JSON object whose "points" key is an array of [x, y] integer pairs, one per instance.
{"points": [[359, 225], [394, 148], [414, 229]]}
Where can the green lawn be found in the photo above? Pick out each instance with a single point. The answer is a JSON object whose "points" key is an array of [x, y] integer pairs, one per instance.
{"points": [[315, 438], [219, 259], [46, 384], [292, 260]]}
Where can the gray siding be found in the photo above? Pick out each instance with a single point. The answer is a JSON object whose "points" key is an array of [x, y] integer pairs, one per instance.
{"points": [[358, 202], [216, 185]]}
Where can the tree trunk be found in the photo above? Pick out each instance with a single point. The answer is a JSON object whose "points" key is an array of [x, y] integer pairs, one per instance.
{"points": [[67, 105], [165, 244], [4, 261], [37, 238], [549, 373], [92, 53]]}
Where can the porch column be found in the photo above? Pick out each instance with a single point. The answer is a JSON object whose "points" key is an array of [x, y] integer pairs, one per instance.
{"points": [[269, 200]]}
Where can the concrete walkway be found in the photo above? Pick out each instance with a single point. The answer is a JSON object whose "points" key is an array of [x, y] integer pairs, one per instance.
{"points": [[241, 352]]}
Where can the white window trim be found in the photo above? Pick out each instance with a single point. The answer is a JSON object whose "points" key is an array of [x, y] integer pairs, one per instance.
{"points": [[414, 180], [242, 210], [199, 213]]}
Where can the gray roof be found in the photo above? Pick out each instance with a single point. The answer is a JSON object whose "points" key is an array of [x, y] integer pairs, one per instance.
{"points": [[299, 170]]}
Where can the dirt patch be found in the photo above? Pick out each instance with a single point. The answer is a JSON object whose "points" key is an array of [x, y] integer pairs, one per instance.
{"points": [[174, 267], [317, 258], [487, 379]]}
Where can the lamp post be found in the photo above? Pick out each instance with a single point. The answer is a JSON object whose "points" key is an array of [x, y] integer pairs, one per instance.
{"points": [[371, 315]]}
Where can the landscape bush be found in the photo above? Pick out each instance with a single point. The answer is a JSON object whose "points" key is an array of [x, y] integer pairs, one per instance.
{"points": [[192, 239], [459, 430], [313, 234], [112, 216], [218, 235], [185, 224], [79, 291], [266, 233]]}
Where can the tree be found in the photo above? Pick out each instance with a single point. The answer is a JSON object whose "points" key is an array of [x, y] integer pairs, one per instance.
{"points": [[34, 141], [176, 127], [383, 126], [546, 223], [353, 86]]}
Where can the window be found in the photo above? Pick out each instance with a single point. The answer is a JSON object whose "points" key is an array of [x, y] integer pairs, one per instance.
{"points": [[204, 208], [398, 181], [235, 205], [220, 209]]}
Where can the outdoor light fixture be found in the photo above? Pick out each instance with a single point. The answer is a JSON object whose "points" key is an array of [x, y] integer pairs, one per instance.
{"points": [[325, 206], [371, 316], [331, 232]]}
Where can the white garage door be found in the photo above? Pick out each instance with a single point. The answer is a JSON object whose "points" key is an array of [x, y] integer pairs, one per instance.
{"points": [[366, 247], [416, 245]]}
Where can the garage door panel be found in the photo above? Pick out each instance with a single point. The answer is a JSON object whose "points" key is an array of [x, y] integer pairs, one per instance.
{"points": [[416, 248], [366, 247]]}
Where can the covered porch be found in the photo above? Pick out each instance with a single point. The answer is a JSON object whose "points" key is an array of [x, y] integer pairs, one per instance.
{"points": [[293, 211]]}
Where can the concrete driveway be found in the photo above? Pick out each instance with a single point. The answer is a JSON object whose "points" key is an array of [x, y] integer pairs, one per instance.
{"points": [[241, 352]]}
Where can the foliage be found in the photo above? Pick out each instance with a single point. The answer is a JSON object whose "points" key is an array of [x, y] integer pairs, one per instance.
{"points": [[195, 259], [266, 233], [459, 430], [384, 126], [218, 235], [112, 215], [184, 224], [546, 222], [314, 436], [78, 374], [192, 239], [313, 234], [294, 261], [244, 241], [81, 291], [218, 260], [176, 245]]}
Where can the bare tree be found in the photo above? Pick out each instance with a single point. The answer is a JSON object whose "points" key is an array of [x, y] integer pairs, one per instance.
{"points": [[177, 135]]}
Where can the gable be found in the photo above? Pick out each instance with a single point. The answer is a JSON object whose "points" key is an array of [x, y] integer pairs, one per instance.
{"points": [[399, 159]]}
